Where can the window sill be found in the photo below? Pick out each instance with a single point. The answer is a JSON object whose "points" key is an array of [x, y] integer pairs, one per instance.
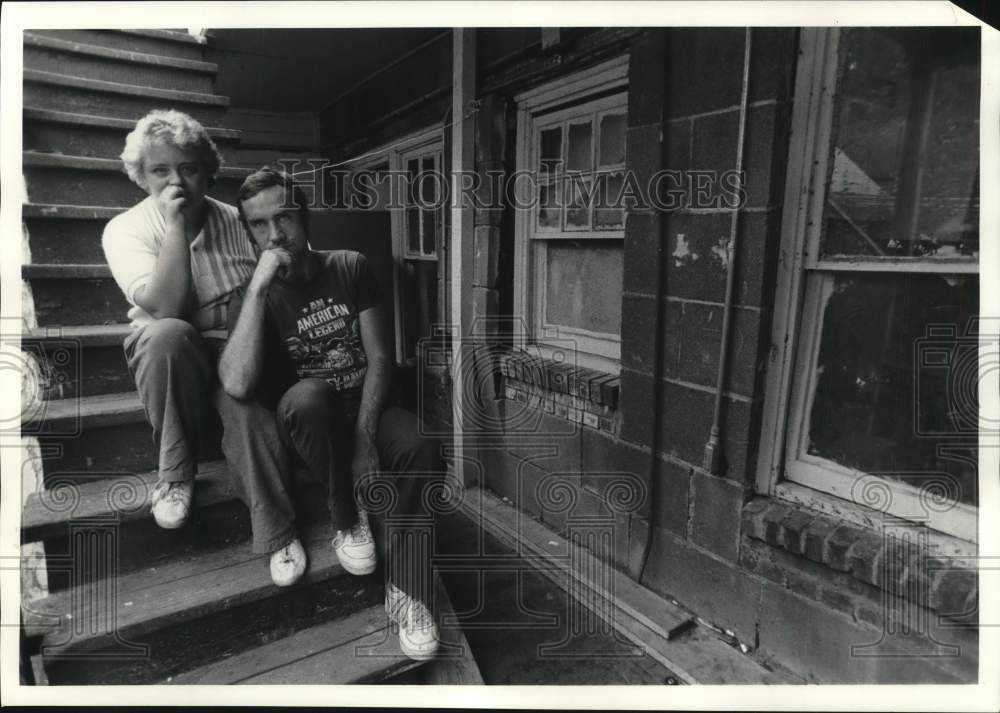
{"points": [[901, 558], [570, 392]]}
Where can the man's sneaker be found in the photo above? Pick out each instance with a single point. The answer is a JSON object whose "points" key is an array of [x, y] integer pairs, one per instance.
{"points": [[172, 503], [288, 564], [418, 634], [355, 548]]}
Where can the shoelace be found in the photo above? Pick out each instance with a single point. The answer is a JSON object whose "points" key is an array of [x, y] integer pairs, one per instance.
{"points": [[175, 492], [410, 613], [419, 617], [172, 491], [286, 553], [361, 532]]}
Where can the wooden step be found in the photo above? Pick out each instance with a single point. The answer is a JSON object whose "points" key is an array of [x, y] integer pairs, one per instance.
{"points": [[172, 44], [52, 90], [90, 335], [360, 648], [87, 618], [178, 36], [83, 180], [75, 295], [67, 233], [51, 54], [80, 361], [65, 272], [101, 436], [224, 635], [68, 417], [49, 513], [74, 134]]}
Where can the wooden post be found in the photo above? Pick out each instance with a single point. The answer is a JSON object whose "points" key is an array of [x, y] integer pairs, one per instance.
{"points": [[463, 148]]}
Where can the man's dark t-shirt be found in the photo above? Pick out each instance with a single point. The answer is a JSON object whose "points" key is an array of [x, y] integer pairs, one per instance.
{"points": [[317, 322]]}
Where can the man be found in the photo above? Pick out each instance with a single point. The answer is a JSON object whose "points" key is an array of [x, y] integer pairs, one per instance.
{"points": [[325, 309], [177, 256]]}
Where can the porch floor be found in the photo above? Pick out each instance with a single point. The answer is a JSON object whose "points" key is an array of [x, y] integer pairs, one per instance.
{"points": [[523, 629]]}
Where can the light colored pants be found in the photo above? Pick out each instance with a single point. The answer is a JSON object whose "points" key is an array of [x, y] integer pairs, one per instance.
{"points": [[174, 369]]}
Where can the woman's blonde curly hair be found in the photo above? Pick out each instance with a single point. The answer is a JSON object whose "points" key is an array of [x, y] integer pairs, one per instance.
{"points": [[171, 127]]}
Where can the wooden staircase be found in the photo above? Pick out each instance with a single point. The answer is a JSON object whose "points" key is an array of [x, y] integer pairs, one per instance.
{"points": [[128, 602]]}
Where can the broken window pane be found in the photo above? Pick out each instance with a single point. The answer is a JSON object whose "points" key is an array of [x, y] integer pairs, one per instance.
{"points": [[897, 377], [905, 144], [579, 198], [612, 140], [549, 212], [583, 285], [609, 211]]}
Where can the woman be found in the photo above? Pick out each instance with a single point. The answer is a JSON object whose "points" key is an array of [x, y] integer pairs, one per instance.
{"points": [[177, 256]]}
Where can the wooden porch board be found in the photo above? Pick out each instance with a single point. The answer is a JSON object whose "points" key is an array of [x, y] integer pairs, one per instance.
{"points": [[49, 512], [78, 619], [334, 652], [673, 639]]}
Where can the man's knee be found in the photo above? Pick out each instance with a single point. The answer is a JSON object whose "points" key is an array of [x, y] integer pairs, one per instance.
{"points": [[408, 447], [309, 400]]}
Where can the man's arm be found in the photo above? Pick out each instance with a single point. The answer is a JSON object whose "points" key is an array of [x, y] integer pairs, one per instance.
{"points": [[168, 292], [242, 359], [375, 393]]}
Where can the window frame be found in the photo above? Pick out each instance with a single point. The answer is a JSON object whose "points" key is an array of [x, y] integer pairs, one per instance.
{"points": [[783, 468], [395, 155], [600, 351]]}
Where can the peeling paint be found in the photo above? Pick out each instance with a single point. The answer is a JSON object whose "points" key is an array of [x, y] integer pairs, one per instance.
{"points": [[721, 252], [682, 251]]}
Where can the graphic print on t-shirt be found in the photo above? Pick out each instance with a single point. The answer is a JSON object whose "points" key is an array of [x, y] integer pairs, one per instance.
{"points": [[327, 344]]}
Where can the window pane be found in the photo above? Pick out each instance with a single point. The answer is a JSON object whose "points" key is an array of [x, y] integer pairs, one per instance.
{"points": [[887, 394], [548, 206], [580, 136], [413, 230], [551, 150], [428, 182], [612, 140], [412, 174], [583, 286], [579, 198], [905, 152], [429, 220], [607, 214]]}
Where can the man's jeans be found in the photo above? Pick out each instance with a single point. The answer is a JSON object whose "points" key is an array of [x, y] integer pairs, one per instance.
{"points": [[174, 369], [314, 424]]}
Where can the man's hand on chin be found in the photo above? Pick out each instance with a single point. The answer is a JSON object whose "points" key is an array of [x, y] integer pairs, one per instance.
{"points": [[275, 262]]}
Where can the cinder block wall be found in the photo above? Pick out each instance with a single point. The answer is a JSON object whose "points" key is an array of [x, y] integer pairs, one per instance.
{"points": [[675, 274], [796, 586]]}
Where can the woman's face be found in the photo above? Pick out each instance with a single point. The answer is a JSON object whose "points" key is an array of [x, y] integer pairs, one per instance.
{"points": [[168, 165]]}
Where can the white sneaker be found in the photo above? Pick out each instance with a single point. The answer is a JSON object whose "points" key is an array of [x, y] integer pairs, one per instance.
{"points": [[355, 548], [418, 634], [172, 503], [288, 564]]}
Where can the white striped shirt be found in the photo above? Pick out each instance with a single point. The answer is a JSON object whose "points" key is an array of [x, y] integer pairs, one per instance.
{"points": [[222, 259]]}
